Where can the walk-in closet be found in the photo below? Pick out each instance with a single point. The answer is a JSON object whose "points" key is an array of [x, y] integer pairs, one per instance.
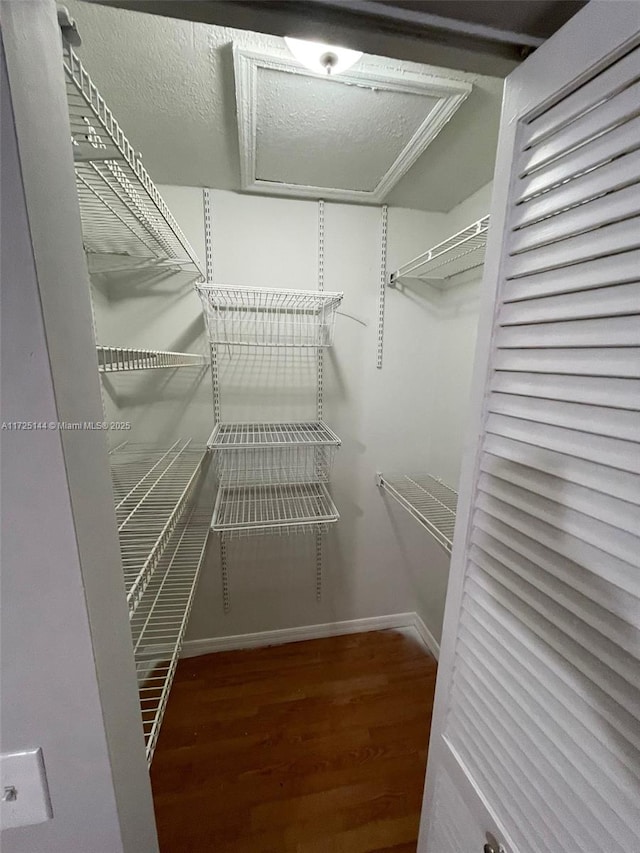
{"points": [[312, 345]]}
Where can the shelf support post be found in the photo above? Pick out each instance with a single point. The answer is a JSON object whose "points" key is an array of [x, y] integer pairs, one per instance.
{"points": [[226, 596], [318, 566], [383, 284], [319, 350], [208, 242]]}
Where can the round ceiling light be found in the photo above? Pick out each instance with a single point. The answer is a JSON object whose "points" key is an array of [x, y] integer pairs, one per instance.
{"points": [[322, 58]]}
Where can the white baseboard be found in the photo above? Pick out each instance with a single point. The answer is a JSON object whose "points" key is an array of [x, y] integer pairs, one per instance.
{"points": [[426, 636], [193, 648]]}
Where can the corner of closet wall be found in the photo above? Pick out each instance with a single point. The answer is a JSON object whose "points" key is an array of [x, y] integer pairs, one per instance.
{"points": [[429, 343], [371, 564], [154, 309], [377, 561], [459, 311]]}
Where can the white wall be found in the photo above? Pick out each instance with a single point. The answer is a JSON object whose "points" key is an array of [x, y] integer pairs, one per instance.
{"points": [[407, 417], [377, 560], [155, 310], [458, 307]]}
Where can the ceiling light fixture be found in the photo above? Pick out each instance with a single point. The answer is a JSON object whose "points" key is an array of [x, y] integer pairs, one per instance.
{"points": [[324, 59]]}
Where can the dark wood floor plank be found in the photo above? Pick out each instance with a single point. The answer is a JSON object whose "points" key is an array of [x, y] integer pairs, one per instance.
{"points": [[312, 747]]}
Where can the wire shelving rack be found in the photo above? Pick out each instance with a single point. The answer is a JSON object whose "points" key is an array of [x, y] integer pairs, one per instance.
{"points": [[430, 501], [278, 508], [151, 489], [459, 253], [121, 209], [272, 453], [159, 623], [269, 317], [272, 477], [118, 359]]}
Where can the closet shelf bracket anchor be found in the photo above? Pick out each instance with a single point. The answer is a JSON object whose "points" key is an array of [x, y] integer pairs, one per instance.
{"points": [[318, 566], [226, 597]]}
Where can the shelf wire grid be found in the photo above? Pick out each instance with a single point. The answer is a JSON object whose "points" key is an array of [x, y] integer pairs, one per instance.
{"points": [[117, 359], [270, 466], [428, 500], [267, 509], [459, 253], [271, 453], [229, 436], [159, 623], [151, 491], [268, 317], [121, 209]]}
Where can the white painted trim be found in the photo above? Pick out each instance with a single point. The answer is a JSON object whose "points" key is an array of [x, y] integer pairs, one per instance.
{"points": [[426, 636], [451, 94], [193, 648]]}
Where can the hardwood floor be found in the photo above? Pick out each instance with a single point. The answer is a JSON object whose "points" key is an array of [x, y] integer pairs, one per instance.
{"points": [[312, 747]]}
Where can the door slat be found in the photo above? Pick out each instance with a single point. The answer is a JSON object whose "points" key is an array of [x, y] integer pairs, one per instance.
{"points": [[612, 79], [600, 272], [616, 393], [599, 420], [609, 113], [621, 140], [608, 240], [607, 178], [615, 207]]}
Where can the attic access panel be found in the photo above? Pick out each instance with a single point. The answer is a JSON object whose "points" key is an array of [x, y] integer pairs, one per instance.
{"points": [[293, 123]]}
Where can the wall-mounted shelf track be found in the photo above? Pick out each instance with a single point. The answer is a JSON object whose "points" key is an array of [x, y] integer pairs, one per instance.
{"points": [[118, 359], [269, 317], [159, 623], [121, 209], [430, 501], [459, 253], [266, 509], [151, 489]]}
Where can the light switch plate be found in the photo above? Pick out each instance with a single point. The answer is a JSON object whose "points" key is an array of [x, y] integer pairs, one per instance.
{"points": [[24, 793]]}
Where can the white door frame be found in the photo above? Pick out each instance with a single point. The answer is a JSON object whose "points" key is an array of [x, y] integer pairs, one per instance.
{"points": [[68, 675]]}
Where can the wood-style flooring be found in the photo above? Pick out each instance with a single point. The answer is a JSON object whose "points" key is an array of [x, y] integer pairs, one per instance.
{"points": [[311, 747]]}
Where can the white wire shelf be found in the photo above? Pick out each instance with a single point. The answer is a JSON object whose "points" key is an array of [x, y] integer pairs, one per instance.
{"points": [[117, 359], [428, 500], [121, 209], [268, 317], [151, 490], [230, 436], [459, 253], [271, 453], [266, 509], [160, 621], [254, 466]]}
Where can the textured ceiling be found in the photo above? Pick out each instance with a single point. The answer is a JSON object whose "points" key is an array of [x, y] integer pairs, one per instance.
{"points": [[319, 132], [170, 84]]}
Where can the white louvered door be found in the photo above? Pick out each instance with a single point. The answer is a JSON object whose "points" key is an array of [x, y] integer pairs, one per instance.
{"points": [[536, 732]]}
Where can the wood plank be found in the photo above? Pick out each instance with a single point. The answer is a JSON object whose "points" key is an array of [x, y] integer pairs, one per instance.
{"points": [[318, 745]]}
